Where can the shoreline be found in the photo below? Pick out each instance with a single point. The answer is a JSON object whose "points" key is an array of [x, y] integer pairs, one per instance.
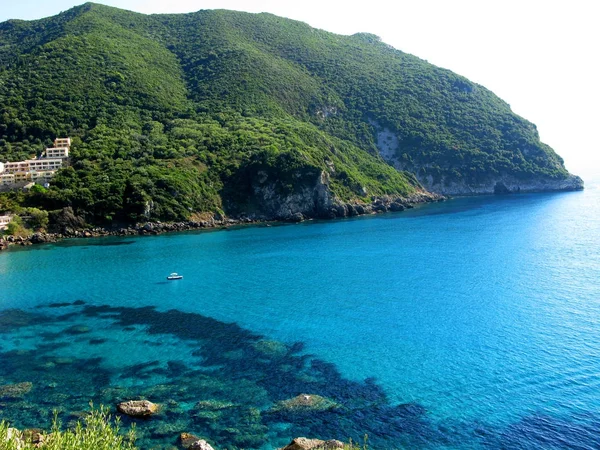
{"points": [[379, 205]]}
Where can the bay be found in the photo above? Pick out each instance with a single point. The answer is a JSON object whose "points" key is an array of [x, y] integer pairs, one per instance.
{"points": [[472, 323]]}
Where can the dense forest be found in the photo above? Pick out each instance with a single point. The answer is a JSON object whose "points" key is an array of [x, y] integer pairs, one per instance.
{"points": [[176, 115]]}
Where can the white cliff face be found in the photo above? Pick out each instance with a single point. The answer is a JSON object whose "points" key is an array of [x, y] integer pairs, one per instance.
{"points": [[503, 184], [387, 144], [389, 148]]}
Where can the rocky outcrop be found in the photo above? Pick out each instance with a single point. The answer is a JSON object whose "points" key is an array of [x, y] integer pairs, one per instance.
{"points": [[503, 185], [65, 221], [499, 184], [201, 445], [308, 199], [388, 145], [42, 238], [14, 438], [187, 439], [138, 408], [193, 442], [302, 443], [25, 439], [317, 201], [34, 436], [305, 403]]}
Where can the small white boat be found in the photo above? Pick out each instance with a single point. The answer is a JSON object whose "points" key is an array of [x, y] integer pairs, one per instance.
{"points": [[174, 276]]}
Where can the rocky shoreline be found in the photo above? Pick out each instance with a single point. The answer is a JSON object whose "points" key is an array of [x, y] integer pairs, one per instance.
{"points": [[338, 210], [39, 439], [144, 409]]}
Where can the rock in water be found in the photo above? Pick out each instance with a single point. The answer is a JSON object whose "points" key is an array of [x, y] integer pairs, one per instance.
{"points": [[138, 408], [187, 439], [305, 403], [302, 443], [201, 445], [17, 390]]}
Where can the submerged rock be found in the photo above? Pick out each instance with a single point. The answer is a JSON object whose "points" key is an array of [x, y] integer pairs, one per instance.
{"points": [[209, 416], [302, 443], [271, 349], [171, 427], [305, 402], [213, 405], [138, 408], [17, 390]]}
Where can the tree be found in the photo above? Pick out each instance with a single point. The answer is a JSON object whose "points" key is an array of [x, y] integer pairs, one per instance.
{"points": [[38, 219]]}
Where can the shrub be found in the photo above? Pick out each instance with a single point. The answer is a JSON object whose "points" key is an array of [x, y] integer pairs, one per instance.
{"points": [[96, 433], [16, 228]]}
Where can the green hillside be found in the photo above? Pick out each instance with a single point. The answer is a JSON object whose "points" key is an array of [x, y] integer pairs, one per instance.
{"points": [[244, 114]]}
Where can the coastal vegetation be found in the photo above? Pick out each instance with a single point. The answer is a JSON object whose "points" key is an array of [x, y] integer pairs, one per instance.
{"points": [[212, 112], [97, 432]]}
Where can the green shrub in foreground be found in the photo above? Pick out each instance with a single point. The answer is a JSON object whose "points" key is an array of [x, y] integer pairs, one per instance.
{"points": [[96, 433]]}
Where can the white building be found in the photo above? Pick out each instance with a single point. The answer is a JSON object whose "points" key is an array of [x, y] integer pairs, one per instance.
{"points": [[16, 166], [42, 177], [6, 179], [45, 164], [40, 170], [56, 152], [62, 142], [21, 177], [4, 221], [60, 150]]}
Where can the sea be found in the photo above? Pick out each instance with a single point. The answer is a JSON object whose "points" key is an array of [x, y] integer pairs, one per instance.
{"points": [[472, 323]]}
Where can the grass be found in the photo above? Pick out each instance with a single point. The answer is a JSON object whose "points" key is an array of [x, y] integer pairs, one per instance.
{"points": [[356, 446], [97, 432]]}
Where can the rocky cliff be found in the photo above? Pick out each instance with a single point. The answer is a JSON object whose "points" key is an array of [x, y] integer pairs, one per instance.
{"points": [[451, 181]]}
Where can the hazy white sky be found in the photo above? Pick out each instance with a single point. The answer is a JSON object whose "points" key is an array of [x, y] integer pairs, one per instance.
{"points": [[539, 56]]}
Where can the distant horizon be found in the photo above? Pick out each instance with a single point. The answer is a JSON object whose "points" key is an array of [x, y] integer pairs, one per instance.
{"points": [[538, 57]]}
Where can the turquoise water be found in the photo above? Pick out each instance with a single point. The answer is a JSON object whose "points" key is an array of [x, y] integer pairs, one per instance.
{"points": [[473, 323]]}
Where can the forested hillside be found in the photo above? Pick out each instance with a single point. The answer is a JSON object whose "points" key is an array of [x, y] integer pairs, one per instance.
{"points": [[245, 114]]}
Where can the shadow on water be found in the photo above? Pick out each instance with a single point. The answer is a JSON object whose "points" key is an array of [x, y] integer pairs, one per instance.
{"points": [[213, 379], [95, 242]]}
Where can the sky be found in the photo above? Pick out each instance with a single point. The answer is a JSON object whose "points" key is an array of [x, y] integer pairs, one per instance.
{"points": [[538, 56]]}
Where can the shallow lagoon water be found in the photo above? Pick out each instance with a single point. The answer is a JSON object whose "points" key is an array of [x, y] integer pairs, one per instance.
{"points": [[472, 323]]}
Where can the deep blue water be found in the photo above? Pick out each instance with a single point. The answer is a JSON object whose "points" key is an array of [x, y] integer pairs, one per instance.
{"points": [[475, 323]]}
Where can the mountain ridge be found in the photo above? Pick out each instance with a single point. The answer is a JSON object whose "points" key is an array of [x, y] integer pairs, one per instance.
{"points": [[177, 114]]}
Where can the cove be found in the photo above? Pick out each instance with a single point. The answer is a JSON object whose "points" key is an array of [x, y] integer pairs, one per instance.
{"points": [[465, 324]]}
